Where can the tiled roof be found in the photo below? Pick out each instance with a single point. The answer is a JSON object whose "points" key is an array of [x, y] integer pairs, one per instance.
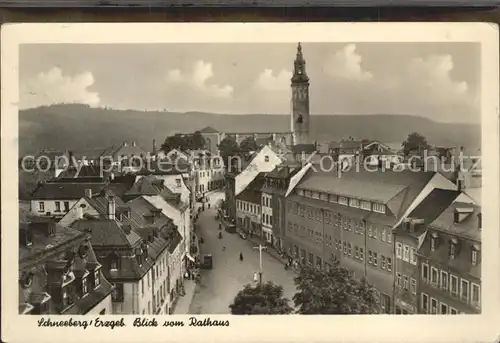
{"points": [[107, 232], [40, 241], [208, 129], [126, 149], [411, 182], [434, 204], [143, 208], [166, 167], [65, 190], [92, 154], [467, 228], [94, 297], [129, 268], [29, 182], [147, 185], [83, 172], [252, 193], [303, 148]]}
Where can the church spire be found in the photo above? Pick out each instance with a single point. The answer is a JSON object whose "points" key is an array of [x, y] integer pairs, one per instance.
{"points": [[299, 72]]}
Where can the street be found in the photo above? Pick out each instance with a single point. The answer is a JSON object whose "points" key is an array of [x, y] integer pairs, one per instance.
{"points": [[220, 285]]}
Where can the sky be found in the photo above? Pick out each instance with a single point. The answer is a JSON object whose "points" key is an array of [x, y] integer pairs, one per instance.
{"points": [[439, 81]]}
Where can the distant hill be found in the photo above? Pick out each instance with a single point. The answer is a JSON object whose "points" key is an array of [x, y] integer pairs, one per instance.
{"points": [[79, 126]]}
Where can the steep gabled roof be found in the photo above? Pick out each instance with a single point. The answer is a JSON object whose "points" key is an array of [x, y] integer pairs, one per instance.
{"points": [[107, 232], [65, 190]]}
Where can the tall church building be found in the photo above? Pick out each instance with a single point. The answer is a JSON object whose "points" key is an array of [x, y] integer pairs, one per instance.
{"points": [[300, 100]]}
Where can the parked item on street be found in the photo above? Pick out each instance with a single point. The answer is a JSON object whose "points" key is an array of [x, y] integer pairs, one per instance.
{"points": [[207, 262], [243, 235], [231, 228]]}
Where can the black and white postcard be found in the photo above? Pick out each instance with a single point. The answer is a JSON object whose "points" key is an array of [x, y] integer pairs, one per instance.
{"points": [[186, 182]]}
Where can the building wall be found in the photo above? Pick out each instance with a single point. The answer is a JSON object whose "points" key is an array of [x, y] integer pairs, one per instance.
{"points": [[50, 206], [267, 216], [212, 141], [102, 308], [73, 214], [160, 284], [405, 295], [175, 272], [278, 202], [135, 301], [246, 209], [453, 302]]}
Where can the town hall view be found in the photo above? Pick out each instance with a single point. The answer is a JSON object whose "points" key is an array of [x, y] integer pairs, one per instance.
{"points": [[123, 210]]}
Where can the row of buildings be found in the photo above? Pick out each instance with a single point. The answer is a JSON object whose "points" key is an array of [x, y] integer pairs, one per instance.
{"points": [[106, 243], [416, 236]]}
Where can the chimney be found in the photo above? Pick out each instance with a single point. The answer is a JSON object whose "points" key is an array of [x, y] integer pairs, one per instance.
{"points": [[138, 255], [133, 143], [88, 193], [111, 208], [79, 212]]}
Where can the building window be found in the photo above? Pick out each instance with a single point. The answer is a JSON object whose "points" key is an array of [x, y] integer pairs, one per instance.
{"points": [[266, 158], [380, 208], [349, 249], [444, 308], [434, 276], [315, 195], [361, 254], [399, 248], [425, 272], [345, 248], [66, 206], [434, 306], [354, 203], [382, 261], [366, 205], [41, 206], [453, 249], [453, 310], [406, 253], [375, 262], [343, 201], [398, 280], [453, 284], [444, 280], [300, 192], [413, 256], [97, 279], [114, 265], [332, 198], [405, 282], [425, 302], [356, 252], [58, 206], [389, 264], [370, 257], [413, 286], [389, 236], [383, 235], [464, 290], [475, 294]]}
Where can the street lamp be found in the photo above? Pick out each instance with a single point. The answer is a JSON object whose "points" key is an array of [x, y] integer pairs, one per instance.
{"points": [[260, 247]]}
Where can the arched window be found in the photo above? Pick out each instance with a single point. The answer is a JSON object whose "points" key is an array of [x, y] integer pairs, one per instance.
{"points": [[299, 119]]}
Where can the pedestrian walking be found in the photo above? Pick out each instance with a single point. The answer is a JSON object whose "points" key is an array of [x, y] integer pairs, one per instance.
{"points": [[241, 256]]}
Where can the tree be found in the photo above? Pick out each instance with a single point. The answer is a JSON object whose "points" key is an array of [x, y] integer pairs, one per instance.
{"points": [[228, 148], [414, 141], [173, 142], [198, 142], [261, 299], [248, 144], [333, 291]]}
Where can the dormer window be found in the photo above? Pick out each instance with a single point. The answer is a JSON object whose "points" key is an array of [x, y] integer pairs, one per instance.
{"points": [[461, 213], [84, 287], [97, 278], [434, 241], [114, 266], [266, 158], [474, 254]]}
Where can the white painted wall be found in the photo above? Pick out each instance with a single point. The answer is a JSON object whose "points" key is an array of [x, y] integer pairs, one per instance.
{"points": [[257, 165], [296, 178], [50, 206]]}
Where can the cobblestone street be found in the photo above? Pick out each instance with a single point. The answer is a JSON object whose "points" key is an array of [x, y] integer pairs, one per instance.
{"points": [[220, 285]]}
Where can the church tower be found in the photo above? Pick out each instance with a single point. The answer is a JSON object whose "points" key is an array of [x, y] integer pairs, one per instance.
{"points": [[300, 100]]}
